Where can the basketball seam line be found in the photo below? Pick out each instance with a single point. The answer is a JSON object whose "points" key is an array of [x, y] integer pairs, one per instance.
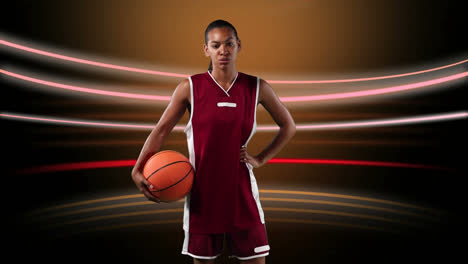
{"points": [[164, 167], [176, 182]]}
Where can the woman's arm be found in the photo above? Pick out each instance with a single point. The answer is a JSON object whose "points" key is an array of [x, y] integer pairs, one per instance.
{"points": [[173, 113], [279, 113]]}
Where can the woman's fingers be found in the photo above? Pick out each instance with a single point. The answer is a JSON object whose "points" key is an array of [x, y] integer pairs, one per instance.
{"points": [[145, 187], [146, 183], [150, 196], [244, 156]]}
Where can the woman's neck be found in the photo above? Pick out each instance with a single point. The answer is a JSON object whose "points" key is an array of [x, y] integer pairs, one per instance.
{"points": [[224, 76]]}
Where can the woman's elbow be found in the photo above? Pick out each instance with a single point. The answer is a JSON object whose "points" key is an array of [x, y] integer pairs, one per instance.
{"points": [[290, 128]]}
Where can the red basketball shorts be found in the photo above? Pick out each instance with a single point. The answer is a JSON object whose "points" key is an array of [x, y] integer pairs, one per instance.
{"points": [[243, 245]]}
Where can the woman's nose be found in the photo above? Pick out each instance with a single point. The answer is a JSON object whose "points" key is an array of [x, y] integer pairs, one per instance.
{"points": [[223, 49]]}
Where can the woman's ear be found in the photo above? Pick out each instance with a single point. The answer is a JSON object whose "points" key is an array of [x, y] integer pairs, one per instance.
{"points": [[239, 45], [205, 50]]}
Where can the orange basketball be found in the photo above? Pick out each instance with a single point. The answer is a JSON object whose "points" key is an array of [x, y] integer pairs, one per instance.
{"points": [[171, 175]]}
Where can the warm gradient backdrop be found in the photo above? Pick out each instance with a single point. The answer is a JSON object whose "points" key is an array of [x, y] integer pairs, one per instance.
{"points": [[282, 40]]}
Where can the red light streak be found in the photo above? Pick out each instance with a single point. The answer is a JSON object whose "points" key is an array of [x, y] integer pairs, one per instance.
{"points": [[351, 162], [129, 163]]}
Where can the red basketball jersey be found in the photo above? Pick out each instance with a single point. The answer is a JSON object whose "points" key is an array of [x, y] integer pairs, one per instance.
{"points": [[224, 196]]}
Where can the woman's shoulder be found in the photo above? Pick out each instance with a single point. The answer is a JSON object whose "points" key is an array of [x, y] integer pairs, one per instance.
{"points": [[251, 78], [248, 75], [197, 75]]}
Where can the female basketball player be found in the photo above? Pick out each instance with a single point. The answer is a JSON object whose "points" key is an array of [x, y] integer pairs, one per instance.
{"points": [[224, 201]]}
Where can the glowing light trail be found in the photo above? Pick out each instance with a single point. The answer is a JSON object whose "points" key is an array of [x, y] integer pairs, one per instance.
{"points": [[377, 208], [280, 220], [307, 98], [113, 216], [344, 196], [276, 209], [152, 72], [87, 90], [129, 163], [335, 213], [89, 62], [265, 191], [313, 201], [73, 122], [351, 162], [78, 166], [318, 126], [380, 91], [100, 208], [330, 223], [384, 122]]}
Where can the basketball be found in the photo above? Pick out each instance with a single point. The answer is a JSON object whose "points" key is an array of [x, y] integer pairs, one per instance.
{"points": [[171, 175]]}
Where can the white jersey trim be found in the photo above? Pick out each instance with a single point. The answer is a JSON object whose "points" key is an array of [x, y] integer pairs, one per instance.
{"points": [[253, 181], [200, 257], [185, 249], [222, 104], [261, 249], [254, 127], [251, 257], [191, 149], [189, 123], [256, 195], [221, 86]]}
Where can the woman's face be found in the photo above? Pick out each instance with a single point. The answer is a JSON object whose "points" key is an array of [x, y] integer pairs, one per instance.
{"points": [[222, 47]]}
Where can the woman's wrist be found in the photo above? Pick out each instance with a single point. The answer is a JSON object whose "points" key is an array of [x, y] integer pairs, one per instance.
{"points": [[260, 159]]}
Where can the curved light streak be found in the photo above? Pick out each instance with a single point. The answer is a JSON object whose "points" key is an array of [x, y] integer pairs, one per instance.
{"points": [[336, 213], [104, 207], [87, 90], [280, 220], [352, 162], [275, 209], [263, 191], [151, 72], [44, 119], [87, 202], [318, 126], [321, 97], [78, 166], [354, 205], [288, 200], [89, 62], [118, 216], [383, 122], [129, 163], [346, 196], [379, 91], [329, 223]]}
